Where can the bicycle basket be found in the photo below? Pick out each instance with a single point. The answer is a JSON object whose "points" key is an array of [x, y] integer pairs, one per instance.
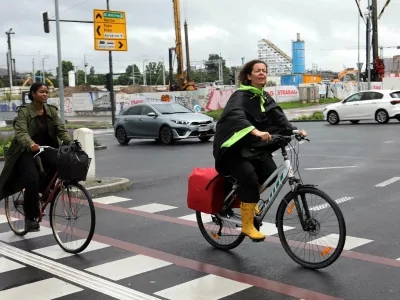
{"points": [[72, 163]]}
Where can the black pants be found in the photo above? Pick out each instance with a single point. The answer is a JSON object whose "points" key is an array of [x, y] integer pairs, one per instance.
{"points": [[32, 181], [248, 173]]}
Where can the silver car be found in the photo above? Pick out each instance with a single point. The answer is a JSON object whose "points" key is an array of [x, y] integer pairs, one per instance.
{"points": [[165, 122]]}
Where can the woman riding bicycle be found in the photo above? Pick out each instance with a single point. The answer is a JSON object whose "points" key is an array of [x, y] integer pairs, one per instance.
{"points": [[37, 124], [250, 115]]}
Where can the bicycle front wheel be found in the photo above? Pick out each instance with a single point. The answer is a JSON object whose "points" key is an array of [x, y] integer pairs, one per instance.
{"points": [[14, 209], [72, 203], [319, 241]]}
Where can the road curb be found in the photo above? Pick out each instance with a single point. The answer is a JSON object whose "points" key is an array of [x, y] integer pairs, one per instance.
{"points": [[300, 121], [122, 184]]}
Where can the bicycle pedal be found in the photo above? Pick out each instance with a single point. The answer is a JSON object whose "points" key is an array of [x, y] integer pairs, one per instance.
{"points": [[257, 241]]}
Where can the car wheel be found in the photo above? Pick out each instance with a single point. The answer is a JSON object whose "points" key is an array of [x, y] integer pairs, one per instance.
{"points": [[333, 118], [121, 136], [355, 121], [381, 116], [398, 119], [204, 138], [166, 135]]}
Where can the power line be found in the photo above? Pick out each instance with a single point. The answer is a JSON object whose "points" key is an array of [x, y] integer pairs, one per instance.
{"points": [[80, 3]]}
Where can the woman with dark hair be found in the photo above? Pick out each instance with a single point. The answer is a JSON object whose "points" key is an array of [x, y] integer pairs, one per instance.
{"points": [[37, 124], [250, 115]]}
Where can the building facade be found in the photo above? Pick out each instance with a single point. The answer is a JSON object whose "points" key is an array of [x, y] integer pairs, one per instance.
{"points": [[279, 63]]}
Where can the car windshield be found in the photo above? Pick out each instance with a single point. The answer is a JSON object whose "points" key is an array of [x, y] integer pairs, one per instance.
{"points": [[173, 108]]}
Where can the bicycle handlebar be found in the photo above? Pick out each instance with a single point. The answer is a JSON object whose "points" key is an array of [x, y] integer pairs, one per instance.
{"points": [[42, 149]]}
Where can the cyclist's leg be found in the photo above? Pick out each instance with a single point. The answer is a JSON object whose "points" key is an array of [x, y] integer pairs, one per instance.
{"points": [[244, 172], [49, 160], [30, 177], [264, 168]]}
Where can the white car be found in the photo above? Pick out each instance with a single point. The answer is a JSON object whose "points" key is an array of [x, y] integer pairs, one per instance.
{"points": [[379, 105]]}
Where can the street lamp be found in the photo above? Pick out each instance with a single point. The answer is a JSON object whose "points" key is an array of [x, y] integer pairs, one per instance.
{"points": [[368, 17]]}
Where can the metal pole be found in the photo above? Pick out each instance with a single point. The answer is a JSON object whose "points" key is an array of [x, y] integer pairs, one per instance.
{"points": [[112, 96], [44, 75], [9, 73], [369, 44], [84, 63], [358, 65], [60, 71], [163, 71], [33, 70]]}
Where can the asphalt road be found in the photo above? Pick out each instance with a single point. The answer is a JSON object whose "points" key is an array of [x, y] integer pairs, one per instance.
{"points": [[153, 250]]}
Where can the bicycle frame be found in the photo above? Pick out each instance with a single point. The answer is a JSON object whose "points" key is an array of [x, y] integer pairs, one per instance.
{"points": [[51, 195]]}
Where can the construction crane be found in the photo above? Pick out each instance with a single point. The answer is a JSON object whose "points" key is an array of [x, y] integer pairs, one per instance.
{"points": [[183, 82]]}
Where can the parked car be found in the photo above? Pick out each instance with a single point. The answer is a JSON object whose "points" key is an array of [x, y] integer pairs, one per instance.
{"points": [[165, 122], [378, 105]]}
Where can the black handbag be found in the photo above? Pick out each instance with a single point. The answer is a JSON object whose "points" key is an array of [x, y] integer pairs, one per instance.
{"points": [[72, 162]]}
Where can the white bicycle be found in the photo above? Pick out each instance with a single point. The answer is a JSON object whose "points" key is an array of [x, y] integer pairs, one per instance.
{"points": [[297, 205]]}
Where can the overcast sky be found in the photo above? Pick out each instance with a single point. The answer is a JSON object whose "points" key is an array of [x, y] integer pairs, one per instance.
{"points": [[229, 27]]}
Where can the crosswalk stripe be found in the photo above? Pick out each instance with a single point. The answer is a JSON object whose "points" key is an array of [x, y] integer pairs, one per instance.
{"points": [[55, 252], [7, 265], [128, 267], [3, 219], [41, 290], [84, 279], [10, 237], [192, 217], [387, 182], [110, 199], [153, 207], [210, 287], [332, 241], [326, 205]]}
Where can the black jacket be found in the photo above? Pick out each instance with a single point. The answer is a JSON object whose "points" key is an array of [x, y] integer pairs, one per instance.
{"points": [[244, 111]]}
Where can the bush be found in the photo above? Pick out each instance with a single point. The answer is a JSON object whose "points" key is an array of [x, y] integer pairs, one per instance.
{"points": [[315, 116], [5, 141]]}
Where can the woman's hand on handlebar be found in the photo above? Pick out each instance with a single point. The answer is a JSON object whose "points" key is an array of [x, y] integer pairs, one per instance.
{"points": [[265, 136], [35, 147]]}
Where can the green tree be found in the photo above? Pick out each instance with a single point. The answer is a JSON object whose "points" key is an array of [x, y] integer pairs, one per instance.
{"points": [[80, 77], [134, 69], [92, 71]]}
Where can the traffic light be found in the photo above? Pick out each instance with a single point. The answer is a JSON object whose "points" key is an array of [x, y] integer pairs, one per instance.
{"points": [[109, 82], [46, 22], [232, 78]]}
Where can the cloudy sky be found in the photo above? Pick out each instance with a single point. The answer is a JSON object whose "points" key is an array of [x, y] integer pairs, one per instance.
{"points": [[229, 27]]}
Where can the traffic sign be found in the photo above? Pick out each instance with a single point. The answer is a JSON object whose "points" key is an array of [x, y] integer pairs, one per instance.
{"points": [[110, 30]]}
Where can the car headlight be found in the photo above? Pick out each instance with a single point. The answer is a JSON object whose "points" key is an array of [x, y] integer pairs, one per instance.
{"points": [[180, 122]]}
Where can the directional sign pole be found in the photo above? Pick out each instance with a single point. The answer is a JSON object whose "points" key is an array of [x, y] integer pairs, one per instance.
{"points": [[112, 96]]}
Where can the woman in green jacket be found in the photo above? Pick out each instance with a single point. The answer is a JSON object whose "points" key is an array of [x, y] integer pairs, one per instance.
{"points": [[37, 124]]}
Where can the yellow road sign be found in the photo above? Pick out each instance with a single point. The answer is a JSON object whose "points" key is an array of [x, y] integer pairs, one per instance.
{"points": [[110, 30], [110, 45]]}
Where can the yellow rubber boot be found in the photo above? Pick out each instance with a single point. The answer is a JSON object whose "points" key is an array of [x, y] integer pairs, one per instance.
{"points": [[247, 212]]}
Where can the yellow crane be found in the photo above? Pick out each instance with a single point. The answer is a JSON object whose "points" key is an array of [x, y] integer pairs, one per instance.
{"points": [[183, 82]]}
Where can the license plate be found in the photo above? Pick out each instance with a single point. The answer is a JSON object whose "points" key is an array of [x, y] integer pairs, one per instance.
{"points": [[204, 128]]}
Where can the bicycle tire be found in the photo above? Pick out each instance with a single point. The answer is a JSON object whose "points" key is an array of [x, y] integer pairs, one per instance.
{"points": [[207, 237], [339, 215], [7, 212], [92, 217]]}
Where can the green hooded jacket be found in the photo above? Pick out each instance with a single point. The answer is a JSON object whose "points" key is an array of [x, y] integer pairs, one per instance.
{"points": [[26, 125]]}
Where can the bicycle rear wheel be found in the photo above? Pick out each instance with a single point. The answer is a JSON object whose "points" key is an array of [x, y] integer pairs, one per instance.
{"points": [[70, 200], [325, 244], [14, 209], [221, 234]]}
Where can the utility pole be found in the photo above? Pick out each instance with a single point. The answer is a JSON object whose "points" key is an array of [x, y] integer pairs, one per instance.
{"points": [[33, 71], [369, 44], [112, 96], [10, 60], [85, 66], [358, 61], [43, 73], [375, 46], [60, 71]]}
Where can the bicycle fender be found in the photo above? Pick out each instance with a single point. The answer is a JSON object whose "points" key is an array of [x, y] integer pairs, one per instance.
{"points": [[291, 195]]}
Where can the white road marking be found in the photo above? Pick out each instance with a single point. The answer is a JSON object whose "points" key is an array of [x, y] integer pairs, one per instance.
{"points": [[326, 205], [3, 219], [55, 252], [388, 142], [128, 267], [10, 237], [210, 287], [387, 182], [110, 200], [7, 265], [47, 289], [331, 240], [84, 279], [192, 217], [328, 168], [270, 229], [153, 207]]}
